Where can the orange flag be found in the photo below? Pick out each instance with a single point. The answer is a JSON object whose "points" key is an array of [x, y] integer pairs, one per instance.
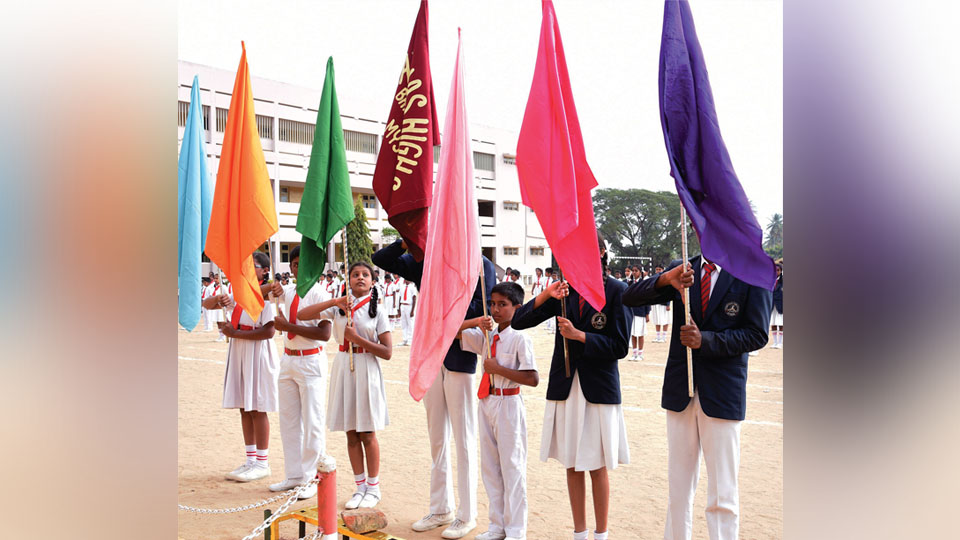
{"points": [[243, 215]]}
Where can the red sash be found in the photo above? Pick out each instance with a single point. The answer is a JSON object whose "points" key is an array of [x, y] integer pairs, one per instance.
{"points": [[235, 317], [293, 314], [359, 305]]}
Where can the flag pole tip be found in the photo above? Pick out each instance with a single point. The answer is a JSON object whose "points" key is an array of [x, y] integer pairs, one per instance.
{"points": [[243, 45]]}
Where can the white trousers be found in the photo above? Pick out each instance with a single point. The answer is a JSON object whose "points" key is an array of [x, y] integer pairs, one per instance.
{"points": [[406, 322], [451, 403], [302, 387], [689, 432], [503, 461]]}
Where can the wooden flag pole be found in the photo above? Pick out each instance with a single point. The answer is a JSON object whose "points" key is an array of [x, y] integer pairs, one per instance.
{"points": [[348, 291], [563, 313], [223, 309], [486, 338], [686, 295]]}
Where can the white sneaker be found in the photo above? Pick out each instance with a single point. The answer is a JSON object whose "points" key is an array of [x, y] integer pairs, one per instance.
{"points": [[754, 353], [458, 529], [354, 501], [432, 521], [370, 499], [285, 485], [221, 338], [490, 535], [254, 472], [308, 493], [235, 474]]}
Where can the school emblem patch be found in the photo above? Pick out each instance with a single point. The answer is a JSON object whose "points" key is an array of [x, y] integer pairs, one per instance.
{"points": [[731, 309], [599, 320]]}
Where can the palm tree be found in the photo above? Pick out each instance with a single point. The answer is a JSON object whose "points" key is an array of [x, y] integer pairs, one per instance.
{"points": [[774, 233]]}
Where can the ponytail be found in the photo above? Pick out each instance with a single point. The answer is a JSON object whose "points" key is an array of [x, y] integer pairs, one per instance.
{"points": [[374, 296]]}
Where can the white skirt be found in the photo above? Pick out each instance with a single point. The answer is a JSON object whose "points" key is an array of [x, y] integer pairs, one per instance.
{"points": [[250, 379], [659, 315], [357, 399], [776, 318], [639, 326], [582, 435]]}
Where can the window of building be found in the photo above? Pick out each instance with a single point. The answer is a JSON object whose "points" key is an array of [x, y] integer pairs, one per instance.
{"points": [[284, 194], [507, 205], [482, 161], [436, 154], [509, 159], [356, 141], [485, 208], [536, 251], [183, 110], [221, 120], [265, 126], [369, 201], [285, 253], [511, 250], [296, 132]]}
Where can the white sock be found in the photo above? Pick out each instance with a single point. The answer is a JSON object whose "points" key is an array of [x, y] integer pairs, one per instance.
{"points": [[262, 457], [373, 484], [600, 535], [361, 481], [251, 454], [780, 338], [582, 535]]}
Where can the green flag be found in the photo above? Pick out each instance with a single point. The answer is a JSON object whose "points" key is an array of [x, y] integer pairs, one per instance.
{"points": [[327, 203]]}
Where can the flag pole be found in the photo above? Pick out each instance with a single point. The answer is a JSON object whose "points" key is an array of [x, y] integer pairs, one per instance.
{"points": [[348, 291], [223, 309], [563, 313], [486, 338], [686, 295]]}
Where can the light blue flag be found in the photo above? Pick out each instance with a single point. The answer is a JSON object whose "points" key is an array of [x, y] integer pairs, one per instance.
{"points": [[194, 201]]}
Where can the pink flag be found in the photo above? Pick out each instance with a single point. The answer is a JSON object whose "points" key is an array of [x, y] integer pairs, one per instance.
{"points": [[451, 264], [555, 180]]}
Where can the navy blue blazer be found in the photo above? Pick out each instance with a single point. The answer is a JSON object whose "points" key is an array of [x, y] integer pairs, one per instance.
{"points": [[735, 323], [778, 295], [597, 358], [396, 260]]}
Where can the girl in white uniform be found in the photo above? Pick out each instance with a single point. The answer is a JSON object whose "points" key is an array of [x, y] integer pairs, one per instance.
{"points": [[660, 316], [358, 399], [250, 378]]}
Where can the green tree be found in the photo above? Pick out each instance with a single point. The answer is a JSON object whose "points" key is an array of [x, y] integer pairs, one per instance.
{"points": [[359, 244], [389, 234], [642, 223], [773, 245]]}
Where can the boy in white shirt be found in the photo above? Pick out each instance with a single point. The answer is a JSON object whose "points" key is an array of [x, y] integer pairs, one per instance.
{"points": [[302, 385], [503, 424]]}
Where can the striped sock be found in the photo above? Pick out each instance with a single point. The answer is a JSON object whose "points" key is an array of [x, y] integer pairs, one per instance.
{"points": [[373, 484], [262, 457], [361, 481], [251, 454]]}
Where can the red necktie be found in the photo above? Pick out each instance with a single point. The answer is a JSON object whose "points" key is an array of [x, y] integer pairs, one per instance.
{"points": [[582, 302], [484, 389], [705, 286]]}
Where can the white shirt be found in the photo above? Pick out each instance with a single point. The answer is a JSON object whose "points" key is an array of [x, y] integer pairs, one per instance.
{"points": [[366, 327], [407, 292], [314, 296], [514, 350], [713, 275]]}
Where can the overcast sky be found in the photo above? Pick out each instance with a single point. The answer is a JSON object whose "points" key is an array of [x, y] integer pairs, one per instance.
{"points": [[612, 49]]}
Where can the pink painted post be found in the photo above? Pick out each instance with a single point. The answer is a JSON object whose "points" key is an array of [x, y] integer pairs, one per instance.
{"points": [[327, 502]]}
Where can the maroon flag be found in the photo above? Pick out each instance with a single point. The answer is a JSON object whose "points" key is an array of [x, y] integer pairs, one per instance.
{"points": [[403, 179]]}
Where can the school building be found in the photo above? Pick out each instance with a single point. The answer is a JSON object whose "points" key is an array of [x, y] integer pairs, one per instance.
{"points": [[286, 116]]}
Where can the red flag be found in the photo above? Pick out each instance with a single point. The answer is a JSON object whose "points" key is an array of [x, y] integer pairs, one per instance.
{"points": [[555, 180], [403, 178]]}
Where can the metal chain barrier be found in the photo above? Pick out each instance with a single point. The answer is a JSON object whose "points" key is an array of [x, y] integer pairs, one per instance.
{"points": [[283, 508], [251, 506]]}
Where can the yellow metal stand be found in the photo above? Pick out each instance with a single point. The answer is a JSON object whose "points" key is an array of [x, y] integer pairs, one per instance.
{"points": [[309, 515]]}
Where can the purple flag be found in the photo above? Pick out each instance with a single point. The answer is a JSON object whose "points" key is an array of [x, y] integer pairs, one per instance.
{"points": [[699, 163]]}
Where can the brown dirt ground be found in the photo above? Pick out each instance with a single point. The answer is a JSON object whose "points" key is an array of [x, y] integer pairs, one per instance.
{"points": [[210, 444]]}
